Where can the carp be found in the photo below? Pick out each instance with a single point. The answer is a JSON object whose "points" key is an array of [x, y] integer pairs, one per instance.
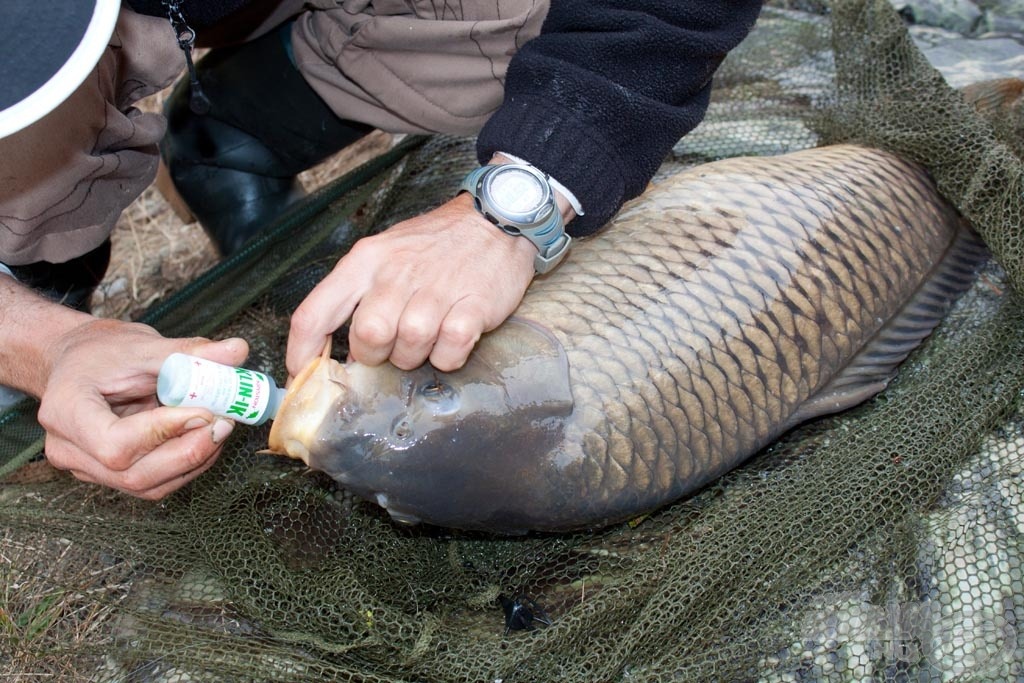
{"points": [[727, 304]]}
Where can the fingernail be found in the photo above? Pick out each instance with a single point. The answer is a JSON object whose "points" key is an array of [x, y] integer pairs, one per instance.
{"points": [[195, 423], [221, 429]]}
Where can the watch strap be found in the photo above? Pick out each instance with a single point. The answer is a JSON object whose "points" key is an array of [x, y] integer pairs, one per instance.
{"points": [[549, 237]]}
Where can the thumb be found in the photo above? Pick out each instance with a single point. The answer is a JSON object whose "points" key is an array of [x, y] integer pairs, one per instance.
{"points": [[232, 351]]}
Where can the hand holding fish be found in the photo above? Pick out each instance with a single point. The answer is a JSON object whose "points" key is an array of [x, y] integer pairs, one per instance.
{"points": [[425, 288], [96, 382]]}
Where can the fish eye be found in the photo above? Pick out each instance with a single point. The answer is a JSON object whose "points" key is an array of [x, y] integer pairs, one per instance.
{"points": [[439, 397], [437, 391]]}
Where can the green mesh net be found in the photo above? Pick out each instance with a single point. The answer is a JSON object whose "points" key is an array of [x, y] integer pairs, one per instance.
{"points": [[886, 543]]}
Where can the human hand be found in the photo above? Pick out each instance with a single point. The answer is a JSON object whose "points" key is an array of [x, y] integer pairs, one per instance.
{"points": [[425, 288], [101, 416]]}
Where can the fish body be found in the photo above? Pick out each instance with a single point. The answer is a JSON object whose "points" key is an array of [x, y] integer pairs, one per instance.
{"points": [[726, 305]]}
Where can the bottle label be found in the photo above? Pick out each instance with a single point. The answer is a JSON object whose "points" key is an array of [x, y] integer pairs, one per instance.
{"points": [[238, 393]]}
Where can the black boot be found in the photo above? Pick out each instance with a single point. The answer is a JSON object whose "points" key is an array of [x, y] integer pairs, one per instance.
{"points": [[236, 166]]}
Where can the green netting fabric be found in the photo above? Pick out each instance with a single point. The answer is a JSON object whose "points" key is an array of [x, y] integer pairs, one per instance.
{"points": [[886, 543]]}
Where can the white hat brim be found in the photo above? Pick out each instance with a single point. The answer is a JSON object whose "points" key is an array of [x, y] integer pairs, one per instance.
{"points": [[76, 69]]}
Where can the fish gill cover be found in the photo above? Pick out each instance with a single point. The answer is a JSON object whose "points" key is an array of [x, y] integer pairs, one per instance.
{"points": [[882, 543]]}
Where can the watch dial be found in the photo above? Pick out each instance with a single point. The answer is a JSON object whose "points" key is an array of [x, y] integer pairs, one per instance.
{"points": [[516, 191]]}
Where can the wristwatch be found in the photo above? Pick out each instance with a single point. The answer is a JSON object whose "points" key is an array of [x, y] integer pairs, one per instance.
{"points": [[518, 199]]}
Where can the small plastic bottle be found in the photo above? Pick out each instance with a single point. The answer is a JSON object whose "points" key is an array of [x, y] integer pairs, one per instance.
{"points": [[240, 394]]}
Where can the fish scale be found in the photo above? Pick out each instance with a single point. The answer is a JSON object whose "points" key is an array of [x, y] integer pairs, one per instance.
{"points": [[727, 304], [707, 307]]}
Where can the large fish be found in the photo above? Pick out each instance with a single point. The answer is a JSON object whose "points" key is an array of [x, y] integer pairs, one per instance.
{"points": [[724, 306]]}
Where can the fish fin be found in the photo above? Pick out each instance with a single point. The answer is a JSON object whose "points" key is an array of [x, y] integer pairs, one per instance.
{"points": [[870, 371], [528, 362], [995, 96]]}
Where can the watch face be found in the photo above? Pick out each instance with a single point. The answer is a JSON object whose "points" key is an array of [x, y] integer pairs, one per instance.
{"points": [[516, 191]]}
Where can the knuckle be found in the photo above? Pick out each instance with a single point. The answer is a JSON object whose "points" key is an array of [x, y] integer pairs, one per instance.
{"points": [[372, 330], [49, 415], [304, 320], [460, 332], [133, 483], [115, 459], [455, 349], [364, 249], [417, 331], [162, 432], [57, 455], [193, 457], [194, 342]]}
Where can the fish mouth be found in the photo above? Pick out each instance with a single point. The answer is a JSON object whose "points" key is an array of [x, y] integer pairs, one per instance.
{"points": [[305, 407]]}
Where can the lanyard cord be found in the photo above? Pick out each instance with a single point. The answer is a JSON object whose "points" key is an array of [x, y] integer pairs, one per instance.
{"points": [[199, 103]]}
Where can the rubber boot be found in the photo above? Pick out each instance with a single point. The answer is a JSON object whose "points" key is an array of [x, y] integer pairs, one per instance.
{"points": [[235, 166]]}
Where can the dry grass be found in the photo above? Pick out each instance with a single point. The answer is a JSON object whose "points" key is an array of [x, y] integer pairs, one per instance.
{"points": [[55, 603]]}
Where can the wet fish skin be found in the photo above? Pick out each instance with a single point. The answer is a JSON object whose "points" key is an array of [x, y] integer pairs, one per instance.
{"points": [[710, 317]]}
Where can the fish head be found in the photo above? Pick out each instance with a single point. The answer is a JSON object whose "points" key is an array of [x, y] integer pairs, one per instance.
{"points": [[428, 445]]}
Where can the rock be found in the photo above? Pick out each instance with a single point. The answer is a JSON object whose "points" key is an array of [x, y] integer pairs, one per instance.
{"points": [[967, 17], [964, 60], [1011, 9], [962, 16]]}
